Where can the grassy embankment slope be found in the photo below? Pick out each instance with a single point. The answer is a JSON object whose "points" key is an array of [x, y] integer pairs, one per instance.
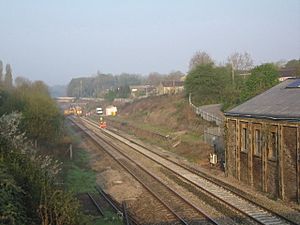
{"points": [[169, 116]]}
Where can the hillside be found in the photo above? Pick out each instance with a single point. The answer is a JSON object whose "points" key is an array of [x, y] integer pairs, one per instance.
{"points": [[167, 121], [172, 112]]}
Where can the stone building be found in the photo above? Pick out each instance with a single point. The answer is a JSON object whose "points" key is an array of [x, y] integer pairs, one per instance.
{"points": [[142, 90], [170, 87], [263, 141], [287, 73]]}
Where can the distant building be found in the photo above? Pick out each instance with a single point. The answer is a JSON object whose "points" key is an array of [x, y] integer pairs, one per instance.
{"points": [[286, 73], [65, 99], [263, 141], [142, 90], [111, 110], [183, 78], [170, 87]]}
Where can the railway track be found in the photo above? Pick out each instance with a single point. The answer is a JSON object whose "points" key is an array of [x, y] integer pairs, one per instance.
{"points": [[257, 213], [176, 205]]}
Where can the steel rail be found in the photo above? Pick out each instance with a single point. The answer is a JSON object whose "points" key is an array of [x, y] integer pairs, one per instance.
{"points": [[96, 205], [159, 180], [126, 219], [201, 211], [182, 221], [116, 208], [108, 200], [262, 217]]}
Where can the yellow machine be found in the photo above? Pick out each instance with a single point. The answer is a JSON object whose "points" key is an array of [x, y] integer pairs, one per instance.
{"points": [[76, 111], [67, 112]]}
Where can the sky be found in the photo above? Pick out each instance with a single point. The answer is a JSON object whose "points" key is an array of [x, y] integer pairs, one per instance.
{"points": [[58, 40]]}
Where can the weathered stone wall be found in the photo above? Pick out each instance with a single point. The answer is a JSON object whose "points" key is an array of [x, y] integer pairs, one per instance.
{"points": [[257, 173], [272, 178], [273, 169], [231, 146], [244, 167], [290, 162]]}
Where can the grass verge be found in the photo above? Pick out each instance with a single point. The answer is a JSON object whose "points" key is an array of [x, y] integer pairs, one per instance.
{"points": [[79, 177]]}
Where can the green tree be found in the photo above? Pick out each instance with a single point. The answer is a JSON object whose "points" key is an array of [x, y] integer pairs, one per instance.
{"points": [[262, 78], [42, 118], [8, 77], [98, 85], [294, 64], [123, 91], [110, 95], [1, 72], [29, 193], [207, 83]]}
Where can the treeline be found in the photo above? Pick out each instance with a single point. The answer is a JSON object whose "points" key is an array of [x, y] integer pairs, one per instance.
{"points": [[41, 118], [229, 83], [232, 83], [209, 84], [6, 79], [118, 85], [29, 190]]}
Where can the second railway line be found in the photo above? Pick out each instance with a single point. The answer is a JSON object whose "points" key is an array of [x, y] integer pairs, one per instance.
{"points": [[248, 211], [176, 209]]}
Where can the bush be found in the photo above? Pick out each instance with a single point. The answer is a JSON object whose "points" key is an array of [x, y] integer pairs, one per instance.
{"points": [[29, 192]]}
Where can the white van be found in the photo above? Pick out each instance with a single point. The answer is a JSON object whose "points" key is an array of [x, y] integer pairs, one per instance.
{"points": [[99, 111]]}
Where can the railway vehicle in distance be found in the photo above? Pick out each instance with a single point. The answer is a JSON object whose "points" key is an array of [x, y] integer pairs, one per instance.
{"points": [[102, 123], [78, 111], [73, 110], [99, 111]]}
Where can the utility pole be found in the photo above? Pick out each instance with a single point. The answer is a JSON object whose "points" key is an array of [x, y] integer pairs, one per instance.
{"points": [[71, 151], [232, 72]]}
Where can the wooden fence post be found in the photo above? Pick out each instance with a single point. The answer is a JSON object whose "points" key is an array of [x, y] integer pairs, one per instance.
{"points": [[71, 151]]}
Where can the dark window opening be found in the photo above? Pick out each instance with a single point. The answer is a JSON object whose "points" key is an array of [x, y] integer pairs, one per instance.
{"points": [[257, 147], [244, 140], [273, 146]]}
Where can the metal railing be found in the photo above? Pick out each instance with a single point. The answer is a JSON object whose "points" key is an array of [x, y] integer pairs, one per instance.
{"points": [[206, 115]]}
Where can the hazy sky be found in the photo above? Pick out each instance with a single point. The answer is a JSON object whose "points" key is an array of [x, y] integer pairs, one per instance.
{"points": [[57, 40]]}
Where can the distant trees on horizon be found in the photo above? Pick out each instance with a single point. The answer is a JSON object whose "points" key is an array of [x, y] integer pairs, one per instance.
{"points": [[230, 83], [6, 80]]}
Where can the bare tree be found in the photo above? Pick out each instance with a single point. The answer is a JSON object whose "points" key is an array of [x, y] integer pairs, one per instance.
{"points": [[200, 58], [22, 81], [240, 61], [281, 63], [154, 78], [175, 75]]}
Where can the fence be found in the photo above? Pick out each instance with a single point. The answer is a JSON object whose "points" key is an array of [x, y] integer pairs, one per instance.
{"points": [[212, 135], [206, 115]]}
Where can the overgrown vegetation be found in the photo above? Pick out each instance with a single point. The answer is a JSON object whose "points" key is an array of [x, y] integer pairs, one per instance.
{"points": [[29, 189], [76, 171], [262, 78], [210, 84], [41, 118]]}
